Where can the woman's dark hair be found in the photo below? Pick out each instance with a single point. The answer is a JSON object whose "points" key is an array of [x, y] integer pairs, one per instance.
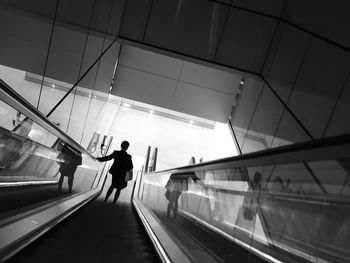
{"points": [[125, 145]]}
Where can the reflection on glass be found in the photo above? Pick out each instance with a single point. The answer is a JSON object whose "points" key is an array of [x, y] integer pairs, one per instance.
{"points": [[24, 150], [287, 210], [174, 187], [69, 160], [29, 152]]}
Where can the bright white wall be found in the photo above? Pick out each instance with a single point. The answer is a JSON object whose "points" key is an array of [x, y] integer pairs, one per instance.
{"points": [[177, 141]]}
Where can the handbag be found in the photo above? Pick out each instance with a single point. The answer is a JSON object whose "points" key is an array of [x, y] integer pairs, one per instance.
{"points": [[129, 175]]}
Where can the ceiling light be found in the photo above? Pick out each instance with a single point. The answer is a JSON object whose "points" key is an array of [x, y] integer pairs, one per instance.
{"points": [[53, 85], [241, 82], [191, 121], [151, 111], [126, 105]]}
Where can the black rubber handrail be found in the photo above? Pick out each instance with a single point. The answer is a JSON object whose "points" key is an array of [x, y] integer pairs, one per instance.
{"points": [[293, 148]]}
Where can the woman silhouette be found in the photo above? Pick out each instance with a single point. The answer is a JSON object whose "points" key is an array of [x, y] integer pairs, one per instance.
{"points": [[121, 165]]}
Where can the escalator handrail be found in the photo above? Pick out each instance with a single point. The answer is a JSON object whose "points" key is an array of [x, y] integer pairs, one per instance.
{"points": [[15, 100], [329, 148]]}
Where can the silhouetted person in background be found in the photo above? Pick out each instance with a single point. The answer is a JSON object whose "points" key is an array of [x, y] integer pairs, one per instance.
{"points": [[69, 161], [256, 184], [121, 165], [177, 184]]}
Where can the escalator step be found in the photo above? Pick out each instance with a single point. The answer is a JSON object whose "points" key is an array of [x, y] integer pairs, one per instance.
{"points": [[99, 232]]}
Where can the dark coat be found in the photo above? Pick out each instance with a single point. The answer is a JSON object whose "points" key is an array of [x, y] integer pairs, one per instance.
{"points": [[122, 164], [72, 160]]}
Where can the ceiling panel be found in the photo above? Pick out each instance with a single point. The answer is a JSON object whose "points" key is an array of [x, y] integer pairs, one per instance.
{"points": [[210, 78], [270, 7], [245, 40], [94, 46], [288, 57], [22, 54], [116, 17], [63, 65], [201, 102], [102, 15], [175, 84], [77, 12], [42, 7], [150, 62], [323, 71], [76, 39], [328, 19], [135, 18], [24, 41], [184, 26], [144, 87], [26, 27]]}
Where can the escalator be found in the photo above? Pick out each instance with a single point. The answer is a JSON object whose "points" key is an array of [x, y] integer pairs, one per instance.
{"points": [[288, 204], [99, 232], [42, 219], [267, 203], [49, 196]]}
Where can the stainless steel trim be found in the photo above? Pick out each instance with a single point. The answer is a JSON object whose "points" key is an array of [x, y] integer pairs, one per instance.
{"points": [[19, 233], [11, 184], [159, 237], [152, 236]]}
